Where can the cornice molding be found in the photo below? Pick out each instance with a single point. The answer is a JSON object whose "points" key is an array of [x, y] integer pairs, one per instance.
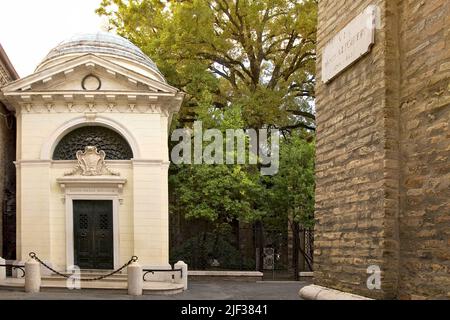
{"points": [[87, 61], [32, 163], [147, 162], [20, 93]]}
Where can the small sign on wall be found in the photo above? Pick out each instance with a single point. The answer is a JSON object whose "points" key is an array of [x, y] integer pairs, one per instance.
{"points": [[350, 44]]}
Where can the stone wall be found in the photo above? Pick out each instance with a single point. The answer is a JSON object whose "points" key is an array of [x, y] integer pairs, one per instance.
{"points": [[7, 170], [7, 141], [382, 175], [3, 139], [425, 146]]}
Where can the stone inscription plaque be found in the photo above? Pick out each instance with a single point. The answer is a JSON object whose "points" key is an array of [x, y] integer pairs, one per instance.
{"points": [[350, 44]]}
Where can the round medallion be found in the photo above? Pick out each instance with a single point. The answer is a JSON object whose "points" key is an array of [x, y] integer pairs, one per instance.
{"points": [[91, 83]]}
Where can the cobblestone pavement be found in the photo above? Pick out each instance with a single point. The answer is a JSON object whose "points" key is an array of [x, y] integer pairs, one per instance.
{"points": [[198, 290]]}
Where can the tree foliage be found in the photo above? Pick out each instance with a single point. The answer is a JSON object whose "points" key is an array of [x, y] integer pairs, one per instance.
{"points": [[292, 190], [243, 64], [258, 54], [219, 193]]}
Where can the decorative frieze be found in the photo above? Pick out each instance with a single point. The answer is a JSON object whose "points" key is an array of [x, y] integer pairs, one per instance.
{"points": [[91, 107], [71, 107], [91, 190]]}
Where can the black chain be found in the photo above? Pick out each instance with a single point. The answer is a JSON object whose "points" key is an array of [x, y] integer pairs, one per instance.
{"points": [[147, 271], [17, 267], [35, 257]]}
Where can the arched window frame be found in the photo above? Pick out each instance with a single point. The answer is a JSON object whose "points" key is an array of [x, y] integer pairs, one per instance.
{"points": [[113, 143], [53, 139]]}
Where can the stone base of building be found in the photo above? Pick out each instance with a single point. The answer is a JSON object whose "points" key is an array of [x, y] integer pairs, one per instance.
{"points": [[47, 284], [248, 276], [159, 280], [314, 292]]}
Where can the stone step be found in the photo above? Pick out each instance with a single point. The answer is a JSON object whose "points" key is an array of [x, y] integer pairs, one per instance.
{"points": [[86, 275], [111, 279], [149, 287], [120, 277], [155, 288]]}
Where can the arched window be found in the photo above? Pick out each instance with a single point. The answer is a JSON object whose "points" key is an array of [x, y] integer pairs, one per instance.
{"points": [[114, 145]]}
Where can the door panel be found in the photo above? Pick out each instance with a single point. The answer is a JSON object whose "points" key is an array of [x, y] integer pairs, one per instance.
{"points": [[103, 234], [93, 234]]}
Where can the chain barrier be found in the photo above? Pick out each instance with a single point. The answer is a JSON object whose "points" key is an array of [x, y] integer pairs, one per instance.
{"points": [[15, 267], [147, 271], [35, 257]]}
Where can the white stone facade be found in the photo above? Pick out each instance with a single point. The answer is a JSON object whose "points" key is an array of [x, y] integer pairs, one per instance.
{"points": [[134, 101]]}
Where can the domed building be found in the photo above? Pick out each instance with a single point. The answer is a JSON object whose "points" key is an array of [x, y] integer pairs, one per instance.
{"points": [[92, 155]]}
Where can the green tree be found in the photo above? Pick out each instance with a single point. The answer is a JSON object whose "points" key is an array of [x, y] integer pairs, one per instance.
{"points": [[215, 196], [258, 54], [243, 64], [292, 189]]}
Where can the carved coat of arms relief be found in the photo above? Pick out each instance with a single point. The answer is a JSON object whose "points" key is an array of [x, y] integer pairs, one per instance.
{"points": [[91, 162]]}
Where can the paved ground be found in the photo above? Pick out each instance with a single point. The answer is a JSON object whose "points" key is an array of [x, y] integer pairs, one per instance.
{"points": [[198, 290]]}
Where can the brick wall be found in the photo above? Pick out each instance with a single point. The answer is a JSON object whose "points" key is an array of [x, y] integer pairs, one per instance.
{"points": [[425, 137], [378, 201]]}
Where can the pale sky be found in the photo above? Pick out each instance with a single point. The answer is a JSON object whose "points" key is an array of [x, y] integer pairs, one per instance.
{"points": [[29, 29]]}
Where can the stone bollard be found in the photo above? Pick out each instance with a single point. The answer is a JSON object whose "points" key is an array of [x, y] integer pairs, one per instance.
{"points": [[135, 280], [184, 272], [32, 276], [2, 270]]}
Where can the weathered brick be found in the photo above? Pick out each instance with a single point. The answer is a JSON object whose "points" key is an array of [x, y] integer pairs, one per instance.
{"points": [[387, 130]]}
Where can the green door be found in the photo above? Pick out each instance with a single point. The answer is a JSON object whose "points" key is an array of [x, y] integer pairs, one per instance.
{"points": [[93, 234]]}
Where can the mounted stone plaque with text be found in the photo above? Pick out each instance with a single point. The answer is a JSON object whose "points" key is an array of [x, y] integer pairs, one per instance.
{"points": [[350, 44]]}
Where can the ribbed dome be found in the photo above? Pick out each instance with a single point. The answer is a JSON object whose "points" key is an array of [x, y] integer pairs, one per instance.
{"points": [[101, 43]]}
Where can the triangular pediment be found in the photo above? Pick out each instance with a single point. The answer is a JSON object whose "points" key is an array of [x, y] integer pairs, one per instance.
{"points": [[69, 76], [91, 79]]}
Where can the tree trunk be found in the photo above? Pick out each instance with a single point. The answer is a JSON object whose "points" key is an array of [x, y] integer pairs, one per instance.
{"points": [[302, 257], [203, 252], [260, 245], [295, 249], [259, 224], [238, 243]]}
